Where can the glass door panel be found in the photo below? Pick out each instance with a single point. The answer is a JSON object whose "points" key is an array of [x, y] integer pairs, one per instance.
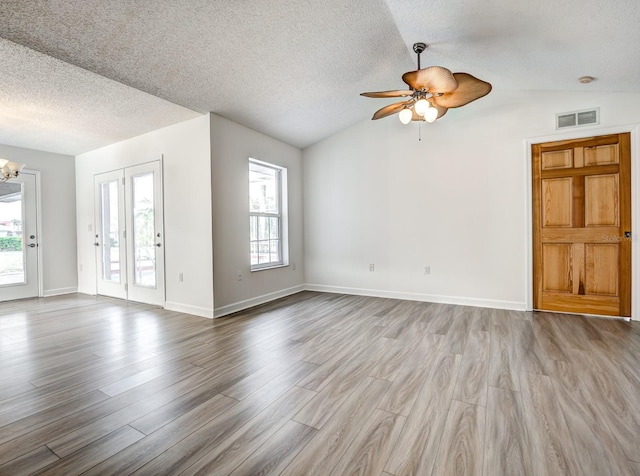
{"points": [[11, 235], [144, 273], [110, 232], [110, 229], [145, 245]]}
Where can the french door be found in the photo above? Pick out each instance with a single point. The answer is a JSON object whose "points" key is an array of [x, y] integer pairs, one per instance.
{"points": [[129, 234], [18, 238]]}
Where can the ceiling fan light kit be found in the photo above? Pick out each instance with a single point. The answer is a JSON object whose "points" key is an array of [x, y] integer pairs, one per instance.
{"points": [[434, 90], [9, 170]]}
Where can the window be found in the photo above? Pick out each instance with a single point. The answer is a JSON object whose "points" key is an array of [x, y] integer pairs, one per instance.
{"points": [[267, 215]]}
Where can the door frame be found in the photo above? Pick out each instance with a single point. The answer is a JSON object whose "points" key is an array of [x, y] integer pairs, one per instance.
{"points": [[634, 131], [40, 241], [41, 238], [119, 289], [125, 165]]}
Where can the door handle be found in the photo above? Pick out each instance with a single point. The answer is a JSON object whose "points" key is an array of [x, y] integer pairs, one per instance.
{"points": [[32, 245], [158, 245], [96, 244]]}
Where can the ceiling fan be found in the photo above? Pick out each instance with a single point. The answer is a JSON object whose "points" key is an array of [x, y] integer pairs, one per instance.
{"points": [[434, 90]]}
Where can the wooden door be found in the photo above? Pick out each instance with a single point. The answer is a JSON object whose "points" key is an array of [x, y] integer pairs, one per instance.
{"points": [[582, 225]]}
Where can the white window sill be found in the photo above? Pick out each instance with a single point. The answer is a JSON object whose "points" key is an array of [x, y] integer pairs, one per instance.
{"points": [[253, 270]]}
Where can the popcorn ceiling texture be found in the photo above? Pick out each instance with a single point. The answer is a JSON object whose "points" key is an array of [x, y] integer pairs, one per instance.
{"points": [[47, 104], [292, 69]]}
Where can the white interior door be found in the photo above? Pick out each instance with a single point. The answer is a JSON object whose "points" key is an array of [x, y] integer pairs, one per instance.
{"points": [[129, 234], [19, 238], [110, 232], [145, 247]]}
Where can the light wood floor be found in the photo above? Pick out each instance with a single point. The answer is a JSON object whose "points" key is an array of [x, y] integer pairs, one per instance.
{"points": [[315, 384]]}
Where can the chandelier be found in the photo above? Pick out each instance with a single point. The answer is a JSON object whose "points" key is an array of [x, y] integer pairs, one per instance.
{"points": [[9, 170]]}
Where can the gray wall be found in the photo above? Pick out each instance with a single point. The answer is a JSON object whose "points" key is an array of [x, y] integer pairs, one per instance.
{"points": [[58, 215]]}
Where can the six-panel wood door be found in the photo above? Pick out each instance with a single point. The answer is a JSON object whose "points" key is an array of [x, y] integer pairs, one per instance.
{"points": [[581, 212]]}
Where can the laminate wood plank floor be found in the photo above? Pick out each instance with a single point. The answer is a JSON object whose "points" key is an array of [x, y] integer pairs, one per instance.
{"points": [[315, 383]]}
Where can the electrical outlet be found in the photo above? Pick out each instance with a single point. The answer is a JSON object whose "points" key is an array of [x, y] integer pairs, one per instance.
{"points": [[427, 269], [372, 267], [239, 275], [180, 277]]}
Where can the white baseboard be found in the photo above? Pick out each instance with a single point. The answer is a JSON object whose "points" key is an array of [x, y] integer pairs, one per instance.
{"points": [[247, 303], [461, 301], [59, 291], [187, 309], [265, 298]]}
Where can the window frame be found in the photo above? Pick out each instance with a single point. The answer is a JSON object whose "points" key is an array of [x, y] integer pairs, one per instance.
{"points": [[281, 215]]}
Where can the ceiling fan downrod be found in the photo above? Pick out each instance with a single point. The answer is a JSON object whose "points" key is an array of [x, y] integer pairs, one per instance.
{"points": [[419, 48]]}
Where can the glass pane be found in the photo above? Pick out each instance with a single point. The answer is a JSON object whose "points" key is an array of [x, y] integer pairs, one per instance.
{"points": [[254, 252], [263, 188], [263, 228], [263, 252], [253, 233], [274, 247], [110, 232], [144, 252], [11, 234], [274, 228]]}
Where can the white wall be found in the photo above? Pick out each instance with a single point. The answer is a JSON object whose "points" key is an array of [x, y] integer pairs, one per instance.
{"points": [[58, 199], [455, 201], [231, 147], [187, 209]]}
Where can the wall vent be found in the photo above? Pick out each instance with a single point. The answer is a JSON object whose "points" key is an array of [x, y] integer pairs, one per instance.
{"points": [[586, 117]]}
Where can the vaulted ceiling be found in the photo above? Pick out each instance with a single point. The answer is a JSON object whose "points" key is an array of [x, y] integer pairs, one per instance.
{"points": [[80, 74]]}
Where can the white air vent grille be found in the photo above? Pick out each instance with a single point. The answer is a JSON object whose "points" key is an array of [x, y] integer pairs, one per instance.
{"points": [[586, 117]]}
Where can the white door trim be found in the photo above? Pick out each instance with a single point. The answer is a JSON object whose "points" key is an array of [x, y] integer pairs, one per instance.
{"points": [[155, 295], [38, 282], [158, 159], [106, 287], [39, 228], [634, 131]]}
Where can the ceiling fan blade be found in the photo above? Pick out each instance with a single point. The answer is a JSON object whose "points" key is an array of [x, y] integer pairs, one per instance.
{"points": [[432, 79], [469, 89], [388, 94], [390, 109]]}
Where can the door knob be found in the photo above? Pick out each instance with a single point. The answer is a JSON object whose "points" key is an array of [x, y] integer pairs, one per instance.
{"points": [[32, 245]]}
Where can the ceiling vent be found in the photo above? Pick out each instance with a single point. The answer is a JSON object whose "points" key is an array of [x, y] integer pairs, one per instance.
{"points": [[586, 117]]}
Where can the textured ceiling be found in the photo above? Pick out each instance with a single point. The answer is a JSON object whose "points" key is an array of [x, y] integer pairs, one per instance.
{"points": [[291, 69], [47, 104]]}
